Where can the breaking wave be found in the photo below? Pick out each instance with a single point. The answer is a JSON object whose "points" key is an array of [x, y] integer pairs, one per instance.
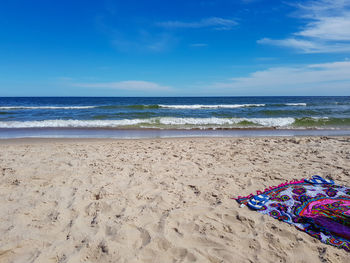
{"points": [[159, 122]]}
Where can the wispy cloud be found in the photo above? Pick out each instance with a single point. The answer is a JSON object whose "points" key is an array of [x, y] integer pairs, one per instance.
{"points": [[326, 28], [137, 38], [305, 79], [216, 23], [307, 46], [199, 45], [130, 85], [143, 41]]}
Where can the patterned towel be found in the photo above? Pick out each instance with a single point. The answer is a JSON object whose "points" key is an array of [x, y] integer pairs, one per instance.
{"points": [[322, 211]]}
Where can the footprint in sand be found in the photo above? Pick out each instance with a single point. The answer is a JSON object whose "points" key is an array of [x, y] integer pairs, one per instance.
{"points": [[145, 236]]}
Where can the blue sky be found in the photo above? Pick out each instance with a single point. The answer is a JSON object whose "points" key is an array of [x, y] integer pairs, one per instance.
{"points": [[174, 48]]}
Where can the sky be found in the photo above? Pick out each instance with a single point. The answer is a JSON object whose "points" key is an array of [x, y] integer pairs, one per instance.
{"points": [[174, 48]]}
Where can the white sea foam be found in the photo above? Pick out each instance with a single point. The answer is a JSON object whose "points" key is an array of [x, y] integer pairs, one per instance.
{"points": [[200, 106], [167, 121], [70, 123], [269, 122], [45, 107], [273, 122], [296, 104]]}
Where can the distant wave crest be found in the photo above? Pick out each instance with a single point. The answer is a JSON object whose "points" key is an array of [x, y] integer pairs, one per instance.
{"points": [[296, 104], [154, 106], [199, 106], [45, 107]]}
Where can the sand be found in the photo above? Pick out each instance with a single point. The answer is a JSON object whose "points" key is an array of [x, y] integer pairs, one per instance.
{"points": [[158, 200]]}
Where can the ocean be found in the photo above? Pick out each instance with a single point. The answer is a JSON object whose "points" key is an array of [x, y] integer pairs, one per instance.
{"points": [[35, 116]]}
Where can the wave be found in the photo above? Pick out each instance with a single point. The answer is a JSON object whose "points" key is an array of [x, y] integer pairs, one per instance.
{"points": [[136, 106], [70, 123], [288, 104], [200, 106], [173, 122], [193, 106], [294, 112], [296, 104], [268, 122], [148, 106], [45, 107], [321, 122], [160, 122], [129, 115]]}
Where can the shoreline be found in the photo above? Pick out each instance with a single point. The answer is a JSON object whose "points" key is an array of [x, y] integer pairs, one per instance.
{"points": [[162, 133], [35, 140]]}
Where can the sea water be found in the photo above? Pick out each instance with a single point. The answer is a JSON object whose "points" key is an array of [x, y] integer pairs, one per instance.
{"points": [[42, 114]]}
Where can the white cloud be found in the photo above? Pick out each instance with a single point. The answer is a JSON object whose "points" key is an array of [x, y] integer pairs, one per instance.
{"points": [[307, 46], [326, 29], [217, 23], [328, 78], [130, 85]]}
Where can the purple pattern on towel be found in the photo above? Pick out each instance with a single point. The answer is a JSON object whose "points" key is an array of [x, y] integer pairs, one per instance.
{"points": [[321, 210]]}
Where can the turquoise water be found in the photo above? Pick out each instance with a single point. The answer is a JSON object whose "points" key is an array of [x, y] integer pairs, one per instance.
{"points": [[176, 113]]}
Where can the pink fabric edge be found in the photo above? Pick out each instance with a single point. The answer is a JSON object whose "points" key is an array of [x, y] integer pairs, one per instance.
{"points": [[270, 188]]}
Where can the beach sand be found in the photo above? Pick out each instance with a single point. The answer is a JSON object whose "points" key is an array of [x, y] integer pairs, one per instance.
{"points": [[158, 200]]}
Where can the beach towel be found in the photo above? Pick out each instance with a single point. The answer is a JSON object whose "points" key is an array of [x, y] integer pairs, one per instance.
{"points": [[321, 210]]}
